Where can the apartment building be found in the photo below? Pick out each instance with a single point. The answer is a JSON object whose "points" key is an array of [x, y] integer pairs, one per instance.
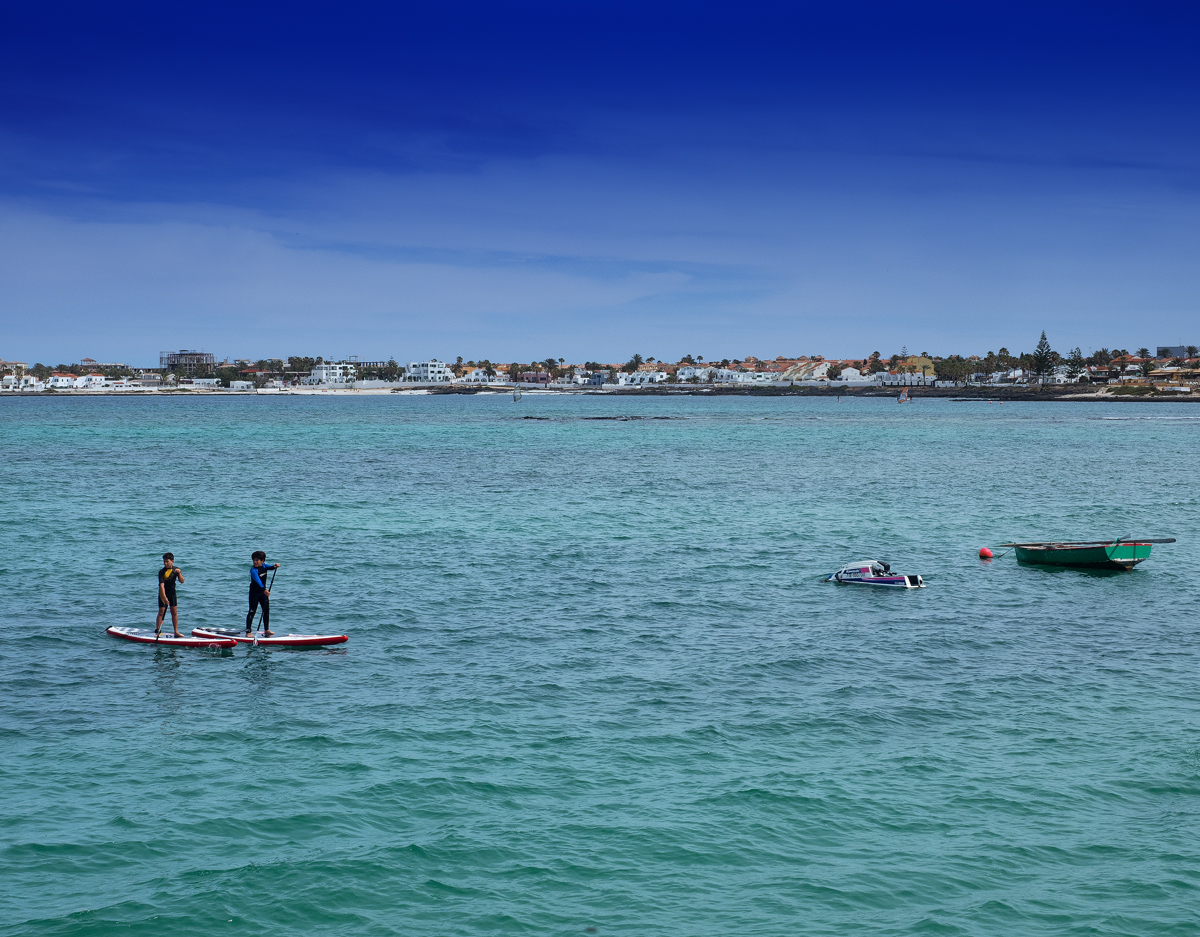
{"points": [[428, 372]]}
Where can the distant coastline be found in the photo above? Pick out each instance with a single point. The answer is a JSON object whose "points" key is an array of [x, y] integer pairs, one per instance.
{"points": [[1012, 393]]}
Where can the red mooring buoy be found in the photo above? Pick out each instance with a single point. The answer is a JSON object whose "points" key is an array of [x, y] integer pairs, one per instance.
{"points": [[985, 553]]}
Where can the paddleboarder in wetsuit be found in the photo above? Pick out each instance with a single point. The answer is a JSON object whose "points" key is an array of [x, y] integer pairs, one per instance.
{"points": [[167, 577], [259, 593]]}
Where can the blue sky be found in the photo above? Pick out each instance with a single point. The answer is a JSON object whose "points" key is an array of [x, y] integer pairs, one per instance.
{"points": [[590, 180]]}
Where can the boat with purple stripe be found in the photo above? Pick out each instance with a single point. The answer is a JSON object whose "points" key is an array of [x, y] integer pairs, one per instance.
{"points": [[874, 573]]}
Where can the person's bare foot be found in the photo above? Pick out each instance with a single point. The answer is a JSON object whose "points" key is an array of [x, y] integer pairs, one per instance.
{"points": [[268, 634]]}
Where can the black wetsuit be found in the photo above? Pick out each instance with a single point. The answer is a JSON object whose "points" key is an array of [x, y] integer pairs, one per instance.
{"points": [[166, 578], [258, 596]]}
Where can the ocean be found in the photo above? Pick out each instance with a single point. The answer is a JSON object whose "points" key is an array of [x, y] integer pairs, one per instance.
{"points": [[593, 682]]}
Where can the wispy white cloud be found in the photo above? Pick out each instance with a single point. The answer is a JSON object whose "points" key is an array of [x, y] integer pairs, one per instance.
{"points": [[766, 253]]}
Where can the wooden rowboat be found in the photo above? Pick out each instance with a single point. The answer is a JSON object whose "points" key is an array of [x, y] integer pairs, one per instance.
{"points": [[1122, 553]]}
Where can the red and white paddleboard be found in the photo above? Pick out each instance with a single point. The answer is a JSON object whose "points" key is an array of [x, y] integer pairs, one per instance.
{"points": [[278, 640], [148, 636]]}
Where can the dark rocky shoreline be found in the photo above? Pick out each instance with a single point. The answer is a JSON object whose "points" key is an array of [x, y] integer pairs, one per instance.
{"points": [[965, 394]]}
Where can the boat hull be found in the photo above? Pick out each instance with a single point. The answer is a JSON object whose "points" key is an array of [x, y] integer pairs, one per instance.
{"points": [[1097, 556], [884, 582]]}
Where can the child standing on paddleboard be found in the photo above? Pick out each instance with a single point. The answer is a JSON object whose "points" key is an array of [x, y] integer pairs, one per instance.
{"points": [[259, 593], [167, 577]]}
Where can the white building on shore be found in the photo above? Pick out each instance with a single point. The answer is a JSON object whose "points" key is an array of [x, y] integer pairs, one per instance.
{"points": [[706, 375], [640, 378], [329, 374], [718, 375], [854, 376], [480, 376], [749, 377], [428, 372], [902, 379], [808, 370]]}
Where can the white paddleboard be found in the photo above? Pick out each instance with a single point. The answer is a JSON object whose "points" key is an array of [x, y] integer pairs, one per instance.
{"points": [[148, 636], [276, 640]]}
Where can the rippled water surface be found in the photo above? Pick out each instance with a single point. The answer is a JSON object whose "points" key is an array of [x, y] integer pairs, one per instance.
{"points": [[593, 680]]}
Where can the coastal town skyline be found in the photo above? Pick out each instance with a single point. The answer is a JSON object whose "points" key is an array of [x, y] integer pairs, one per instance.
{"points": [[1164, 367]]}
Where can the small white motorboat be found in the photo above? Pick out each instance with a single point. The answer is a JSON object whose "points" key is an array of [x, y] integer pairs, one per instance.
{"points": [[874, 573]]}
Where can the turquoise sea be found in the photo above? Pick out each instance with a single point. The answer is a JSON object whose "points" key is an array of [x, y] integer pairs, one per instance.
{"points": [[593, 683]]}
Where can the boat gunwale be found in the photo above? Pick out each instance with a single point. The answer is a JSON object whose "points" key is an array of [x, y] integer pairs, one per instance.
{"points": [[1071, 544]]}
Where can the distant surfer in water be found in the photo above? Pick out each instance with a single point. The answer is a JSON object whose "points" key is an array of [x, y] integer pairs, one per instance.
{"points": [[259, 593], [167, 577]]}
